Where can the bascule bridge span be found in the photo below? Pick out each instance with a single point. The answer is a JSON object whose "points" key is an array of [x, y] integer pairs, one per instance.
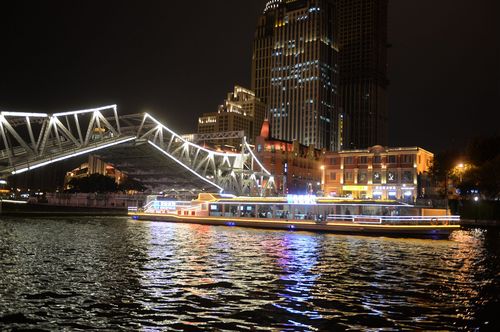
{"points": [[139, 145]]}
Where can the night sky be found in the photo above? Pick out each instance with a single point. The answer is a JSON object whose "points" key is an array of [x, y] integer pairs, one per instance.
{"points": [[178, 59]]}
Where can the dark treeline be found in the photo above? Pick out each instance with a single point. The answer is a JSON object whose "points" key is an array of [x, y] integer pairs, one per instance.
{"points": [[97, 183], [476, 169]]}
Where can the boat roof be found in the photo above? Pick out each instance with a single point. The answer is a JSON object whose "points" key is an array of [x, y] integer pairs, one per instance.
{"points": [[292, 199]]}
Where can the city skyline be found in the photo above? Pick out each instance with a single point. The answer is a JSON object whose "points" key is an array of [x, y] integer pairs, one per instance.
{"points": [[144, 187], [294, 71], [49, 63]]}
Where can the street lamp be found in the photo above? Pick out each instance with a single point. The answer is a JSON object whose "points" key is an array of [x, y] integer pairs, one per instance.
{"points": [[460, 168], [323, 179]]}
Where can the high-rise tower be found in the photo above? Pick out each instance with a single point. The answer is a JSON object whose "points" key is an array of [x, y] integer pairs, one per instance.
{"points": [[362, 41], [295, 70]]}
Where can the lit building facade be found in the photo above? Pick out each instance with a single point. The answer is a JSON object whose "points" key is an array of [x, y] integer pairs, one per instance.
{"points": [[362, 42], [94, 165], [294, 70], [296, 168], [240, 111], [378, 173]]}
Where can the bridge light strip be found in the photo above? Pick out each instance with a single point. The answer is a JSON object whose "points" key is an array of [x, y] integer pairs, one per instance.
{"points": [[25, 114], [71, 156], [187, 142], [91, 110], [13, 202], [256, 159], [187, 168]]}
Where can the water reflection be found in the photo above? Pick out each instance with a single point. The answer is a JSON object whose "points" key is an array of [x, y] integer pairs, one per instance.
{"points": [[123, 274], [297, 256]]}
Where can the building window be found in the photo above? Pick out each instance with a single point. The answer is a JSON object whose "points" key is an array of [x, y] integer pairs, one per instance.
{"points": [[333, 176], [377, 160], [408, 159], [349, 176], [391, 159], [348, 161], [377, 177], [392, 177], [334, 161], [362, 178], [407, 177], [363, 160]]}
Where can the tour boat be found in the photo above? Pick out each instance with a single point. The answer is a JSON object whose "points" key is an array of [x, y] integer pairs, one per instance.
{"points": [[304, 213]]}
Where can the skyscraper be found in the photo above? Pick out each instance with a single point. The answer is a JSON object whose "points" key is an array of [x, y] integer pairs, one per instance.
{"points": [[240, 111], [362, 41], [295, 70]]}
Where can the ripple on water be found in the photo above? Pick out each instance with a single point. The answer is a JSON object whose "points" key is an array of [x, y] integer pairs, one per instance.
{"points": [[117, 274]]}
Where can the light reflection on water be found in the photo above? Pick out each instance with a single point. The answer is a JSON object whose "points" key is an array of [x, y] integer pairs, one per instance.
{"points": [[123, 274]]}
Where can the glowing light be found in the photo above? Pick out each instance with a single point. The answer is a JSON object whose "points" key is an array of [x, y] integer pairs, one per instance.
{"points": [[256, 159], [72, 155], [147, 115], [350, 225], [302, 199], [14, 202], [355, 188], [25, 114], [91, 110], [187, 168]]}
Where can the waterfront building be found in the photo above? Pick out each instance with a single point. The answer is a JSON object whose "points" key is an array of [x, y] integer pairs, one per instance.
{"points": [[362, 42], [241, 111], [294, 70], [296, 168], [378, 173], [94, 165]]}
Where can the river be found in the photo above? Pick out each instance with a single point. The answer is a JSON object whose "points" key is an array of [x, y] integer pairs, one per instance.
{"points": [[119, 274]]}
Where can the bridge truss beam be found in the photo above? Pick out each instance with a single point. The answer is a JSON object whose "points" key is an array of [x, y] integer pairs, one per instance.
{"points": [[33, 140]]}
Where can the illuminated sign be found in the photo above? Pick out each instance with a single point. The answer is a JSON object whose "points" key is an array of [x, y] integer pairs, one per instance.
{"points": [[355, 188], [165, 205], [385, 188], [301, 199]]}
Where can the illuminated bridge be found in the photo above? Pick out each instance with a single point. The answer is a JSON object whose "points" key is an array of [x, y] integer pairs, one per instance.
{"points": [[139, 145]]}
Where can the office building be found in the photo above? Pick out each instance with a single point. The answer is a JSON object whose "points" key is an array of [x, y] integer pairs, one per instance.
{"points": [[294, 70], [241, 111], [362, 42], [94, 165]]}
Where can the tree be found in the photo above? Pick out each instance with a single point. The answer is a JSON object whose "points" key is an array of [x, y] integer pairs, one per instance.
{"points": [[440, 169], [485, 179], [95, 183], [483, 149], [131, 185], [484, 175]]}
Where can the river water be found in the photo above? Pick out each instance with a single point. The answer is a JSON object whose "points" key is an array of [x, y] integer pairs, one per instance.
{"points": [[119, 274]]}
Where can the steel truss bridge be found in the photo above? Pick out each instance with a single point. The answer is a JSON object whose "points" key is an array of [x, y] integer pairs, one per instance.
{"points": [[139, 145]]}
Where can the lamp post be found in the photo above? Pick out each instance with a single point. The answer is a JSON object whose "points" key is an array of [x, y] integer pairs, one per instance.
{"points": [[461, 168], [446, 192], [323, 179]]}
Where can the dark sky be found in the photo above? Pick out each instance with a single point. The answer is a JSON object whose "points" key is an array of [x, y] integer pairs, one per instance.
{"points": [[178, 59]]}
